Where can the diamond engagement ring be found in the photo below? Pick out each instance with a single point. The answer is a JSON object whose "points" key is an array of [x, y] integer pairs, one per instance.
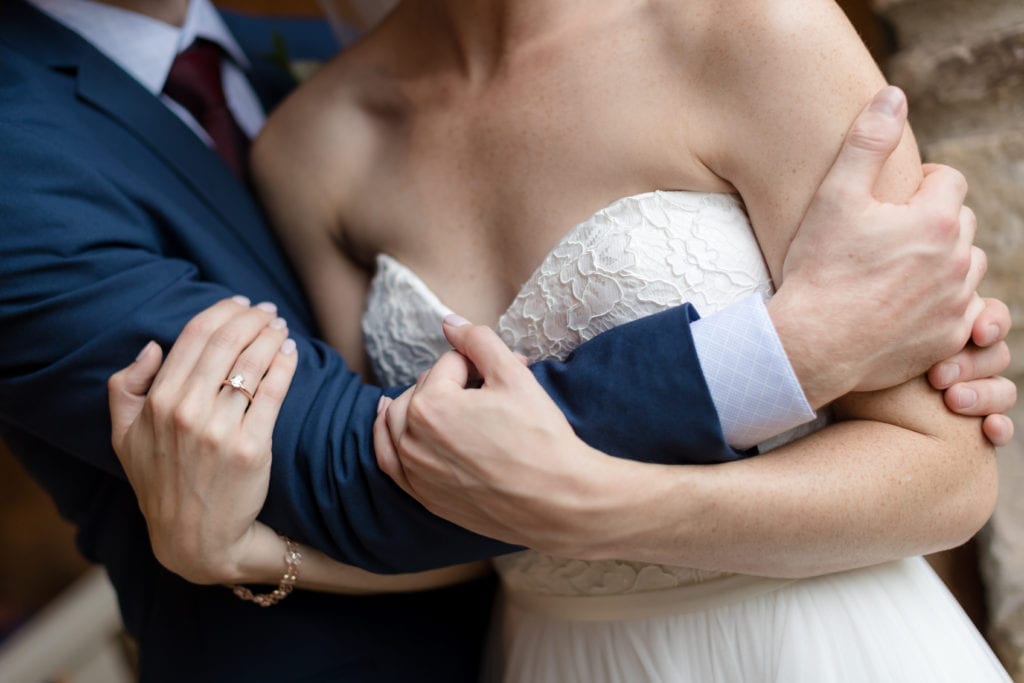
{"points": [[238, 382]]}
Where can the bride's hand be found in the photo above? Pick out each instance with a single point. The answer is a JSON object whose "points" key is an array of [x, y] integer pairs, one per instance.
{"points": [[197, 451], [970, 379]]}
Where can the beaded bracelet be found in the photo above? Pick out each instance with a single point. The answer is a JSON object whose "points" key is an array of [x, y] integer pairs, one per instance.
{"points": [[292, 560]]}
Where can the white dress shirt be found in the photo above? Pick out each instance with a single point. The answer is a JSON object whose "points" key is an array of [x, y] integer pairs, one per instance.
{"points": [[752, 383], [146, 47]]}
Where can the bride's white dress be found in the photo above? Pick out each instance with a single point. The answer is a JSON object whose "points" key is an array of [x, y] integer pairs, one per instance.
{"points": [[564, 620]]}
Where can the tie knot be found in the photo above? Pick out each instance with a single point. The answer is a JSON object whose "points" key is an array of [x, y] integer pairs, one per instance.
{"points": [[194, 81]]}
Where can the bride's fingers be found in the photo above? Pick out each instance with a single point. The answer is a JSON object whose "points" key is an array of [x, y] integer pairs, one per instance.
{"points": [[253, 363], [225, 346], [989, 396], [384, 447], [998, 429], [261, 417], [970, 364], [126, 390], [182, 357], [396, 415]]}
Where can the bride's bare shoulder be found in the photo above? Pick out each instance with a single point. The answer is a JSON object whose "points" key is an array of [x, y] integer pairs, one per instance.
{"points": [[327, 131], [774, 86], [740, 30]]}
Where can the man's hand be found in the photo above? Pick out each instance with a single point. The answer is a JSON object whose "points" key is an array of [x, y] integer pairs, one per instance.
{"points": [[500, 460], [198, 453], [875, 293]]}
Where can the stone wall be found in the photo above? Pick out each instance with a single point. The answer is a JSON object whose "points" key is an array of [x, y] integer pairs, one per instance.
{"points": [[962, 65]]}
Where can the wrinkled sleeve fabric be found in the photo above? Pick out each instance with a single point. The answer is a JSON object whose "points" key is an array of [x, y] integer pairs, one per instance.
{"points": [[87, 282]]}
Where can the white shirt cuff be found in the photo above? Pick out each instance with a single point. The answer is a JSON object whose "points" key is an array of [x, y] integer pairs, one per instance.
{"points": [[752, 383]]}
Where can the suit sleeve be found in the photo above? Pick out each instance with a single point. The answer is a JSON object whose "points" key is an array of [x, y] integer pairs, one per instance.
{"points": [[87, 281]]}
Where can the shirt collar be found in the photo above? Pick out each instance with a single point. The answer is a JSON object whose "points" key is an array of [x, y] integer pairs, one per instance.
{"points": [[141, 45]]}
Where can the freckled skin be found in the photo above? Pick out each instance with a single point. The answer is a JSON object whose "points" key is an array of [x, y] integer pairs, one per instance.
{"points": [[469, 160]]}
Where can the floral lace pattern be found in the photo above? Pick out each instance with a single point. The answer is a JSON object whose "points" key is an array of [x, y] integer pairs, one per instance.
{"points": [[640, 255]]}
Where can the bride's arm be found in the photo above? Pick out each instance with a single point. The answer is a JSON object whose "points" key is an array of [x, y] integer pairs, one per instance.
{"points": [[302, 182], [900, 474], [857, 493], [263, 563]]}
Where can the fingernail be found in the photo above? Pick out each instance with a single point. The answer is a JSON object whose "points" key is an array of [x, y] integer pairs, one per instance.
{"points": [[455, 320], [241, 300], [144, 351], [888, 102], [267, 306], [966, 398], [278, 323], [288, 347], [991, 334], [949, 373], [382, 404]]}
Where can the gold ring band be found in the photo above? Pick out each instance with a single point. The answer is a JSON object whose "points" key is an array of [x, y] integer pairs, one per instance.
{"points": [[237, 382]]}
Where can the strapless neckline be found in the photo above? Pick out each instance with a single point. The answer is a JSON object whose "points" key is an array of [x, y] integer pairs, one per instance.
{"points": [[637, 256], [566, 618], [386, 262]]}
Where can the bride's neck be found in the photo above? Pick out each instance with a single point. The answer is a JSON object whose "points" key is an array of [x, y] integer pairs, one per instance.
{"points": [[484, 33]]}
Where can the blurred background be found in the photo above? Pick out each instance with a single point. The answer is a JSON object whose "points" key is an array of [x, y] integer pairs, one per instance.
{"points": [[962, 65]]}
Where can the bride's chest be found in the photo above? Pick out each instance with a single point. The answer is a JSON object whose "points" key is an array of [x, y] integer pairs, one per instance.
{"points": [[474, 247], [487, 196], [637, 256]]}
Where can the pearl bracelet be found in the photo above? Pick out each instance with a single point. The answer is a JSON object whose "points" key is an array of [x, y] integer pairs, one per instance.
{"points": [[292, 560]]}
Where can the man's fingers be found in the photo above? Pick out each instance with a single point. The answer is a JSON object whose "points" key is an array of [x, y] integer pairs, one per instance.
{"points": [[451, 368], [870, 142], [266, 405], [483, 347], [127, 388], [998, 429], [993, 325], [942, 194], [989, 396], [975, 274]]}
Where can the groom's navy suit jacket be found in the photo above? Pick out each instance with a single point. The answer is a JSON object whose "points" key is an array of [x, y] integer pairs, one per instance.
{"points": [[117, 224]]}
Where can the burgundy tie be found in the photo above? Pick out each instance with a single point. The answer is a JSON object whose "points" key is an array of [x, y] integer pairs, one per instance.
{"points": [[195, 83]]}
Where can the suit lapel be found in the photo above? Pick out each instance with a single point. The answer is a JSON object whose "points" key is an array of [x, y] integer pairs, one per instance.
{"points": [[105, 86]]}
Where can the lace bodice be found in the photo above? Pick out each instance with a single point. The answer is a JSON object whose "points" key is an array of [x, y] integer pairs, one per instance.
{"points": [[638, 256]]}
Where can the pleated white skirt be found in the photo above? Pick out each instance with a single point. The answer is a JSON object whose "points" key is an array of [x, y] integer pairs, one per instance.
{"points": [[892, 623]]}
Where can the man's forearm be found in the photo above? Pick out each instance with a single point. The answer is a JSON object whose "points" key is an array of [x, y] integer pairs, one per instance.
{"points": [[639, 392]]}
